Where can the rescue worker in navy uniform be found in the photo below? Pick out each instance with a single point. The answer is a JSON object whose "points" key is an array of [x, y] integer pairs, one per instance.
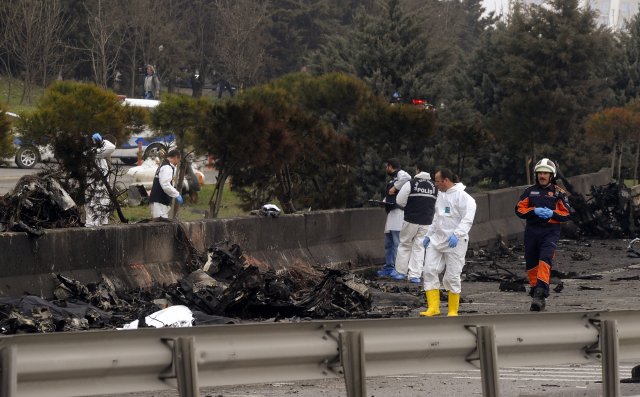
{"points": [[162, 190], [418, 197], [544, 206], [395, 216]]}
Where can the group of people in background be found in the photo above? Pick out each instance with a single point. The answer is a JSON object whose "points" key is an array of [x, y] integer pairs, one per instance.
{"points": [[98, 205], [428, 224]]}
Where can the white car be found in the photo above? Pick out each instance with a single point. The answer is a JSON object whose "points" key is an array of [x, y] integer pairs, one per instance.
{"points": [[145, 140], [29, 154]]}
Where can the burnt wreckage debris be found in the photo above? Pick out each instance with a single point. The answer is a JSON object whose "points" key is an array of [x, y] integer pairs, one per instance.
{"points": [[37, 202], [610, 211], [491, 271], [229, 290]]}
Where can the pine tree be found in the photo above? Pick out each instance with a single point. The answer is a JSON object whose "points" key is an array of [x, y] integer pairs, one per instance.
{"points": [[539, 76], [385, 49]]}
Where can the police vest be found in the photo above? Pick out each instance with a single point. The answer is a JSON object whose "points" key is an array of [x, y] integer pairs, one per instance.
{"points": [[157, 193], [421, 202]]}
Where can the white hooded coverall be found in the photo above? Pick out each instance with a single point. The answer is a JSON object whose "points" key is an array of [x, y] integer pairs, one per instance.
{"points": [[395, 217], [97, 197], [455, 210]]}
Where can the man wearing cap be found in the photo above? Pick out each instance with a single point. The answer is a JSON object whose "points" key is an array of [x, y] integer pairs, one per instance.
{"points": [[395, 216], [162, 190], [544, 206]]}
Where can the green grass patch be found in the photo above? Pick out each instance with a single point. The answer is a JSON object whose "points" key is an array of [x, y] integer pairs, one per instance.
{"points": [[11, 93], [193, 211]]}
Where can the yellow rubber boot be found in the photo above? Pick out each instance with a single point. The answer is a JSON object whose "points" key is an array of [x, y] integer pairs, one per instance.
{"points": [[433, 303], [454, 304]]}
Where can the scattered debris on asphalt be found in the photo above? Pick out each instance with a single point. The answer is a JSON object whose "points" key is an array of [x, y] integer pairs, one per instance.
{"points": [[630, 278], [228, 291], [36, 203], [635, 376], [633, 249], [587, 288]]}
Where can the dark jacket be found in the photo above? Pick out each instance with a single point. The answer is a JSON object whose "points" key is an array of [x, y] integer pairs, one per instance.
{"points": [[551, 196]]}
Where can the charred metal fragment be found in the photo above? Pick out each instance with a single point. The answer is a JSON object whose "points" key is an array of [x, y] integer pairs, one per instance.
{"points": [[587, 288], [37, 202], [610, 211]]}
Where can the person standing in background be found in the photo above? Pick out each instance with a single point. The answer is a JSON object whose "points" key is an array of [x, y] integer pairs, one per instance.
{"points": [[162, 190], [151, 84], [395, 216]]}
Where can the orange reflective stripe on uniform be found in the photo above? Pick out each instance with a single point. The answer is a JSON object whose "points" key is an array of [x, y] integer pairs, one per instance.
{"points": [[560, 210], [523, 206], [544, 272]]}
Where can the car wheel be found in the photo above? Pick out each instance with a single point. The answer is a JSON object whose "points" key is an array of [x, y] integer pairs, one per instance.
{"points": [[155, 150], [27, 157]]}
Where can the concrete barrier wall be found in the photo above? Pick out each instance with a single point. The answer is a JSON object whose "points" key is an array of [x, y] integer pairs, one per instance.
{"points": [[140, 255]]}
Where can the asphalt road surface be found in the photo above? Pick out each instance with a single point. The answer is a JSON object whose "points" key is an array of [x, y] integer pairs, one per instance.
{"points": [[9, 175], [605, 258]]}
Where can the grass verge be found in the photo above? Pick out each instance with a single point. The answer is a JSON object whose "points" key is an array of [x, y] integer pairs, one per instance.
{"points": [[193, 211]]}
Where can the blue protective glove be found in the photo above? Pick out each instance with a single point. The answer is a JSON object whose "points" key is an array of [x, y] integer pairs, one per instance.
{"points": [[453, 241], [179, 200], [97, 138], [543, 212], [426, 242]]}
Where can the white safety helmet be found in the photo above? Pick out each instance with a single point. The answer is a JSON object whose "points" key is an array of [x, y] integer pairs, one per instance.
{"points": [[545, 165]]}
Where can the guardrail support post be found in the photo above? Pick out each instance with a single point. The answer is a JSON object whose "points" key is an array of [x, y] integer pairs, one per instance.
{"points": [[351, 345], [609, 345], [9, 387], [186, 367], [488, 351]]}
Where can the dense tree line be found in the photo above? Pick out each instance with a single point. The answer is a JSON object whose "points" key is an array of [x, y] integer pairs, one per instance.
{"points": [[539, 81]]}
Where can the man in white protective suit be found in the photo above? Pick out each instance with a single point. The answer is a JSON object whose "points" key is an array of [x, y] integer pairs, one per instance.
{"points": [[447, 241], [418, 197], [98, 203]]}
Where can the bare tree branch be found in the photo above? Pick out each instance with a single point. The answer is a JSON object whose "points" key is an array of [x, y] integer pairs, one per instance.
{"points": [[241, 39], [32, 36]]}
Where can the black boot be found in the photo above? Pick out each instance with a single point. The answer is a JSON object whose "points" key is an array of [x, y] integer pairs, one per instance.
{"points": [[538, 301]]}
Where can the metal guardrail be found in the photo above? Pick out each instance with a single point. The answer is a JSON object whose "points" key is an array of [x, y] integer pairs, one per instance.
{"points": [[91, 363]]}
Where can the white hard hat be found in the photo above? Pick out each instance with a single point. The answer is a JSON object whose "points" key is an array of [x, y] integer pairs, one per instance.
{"points": [[545, 165]]}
